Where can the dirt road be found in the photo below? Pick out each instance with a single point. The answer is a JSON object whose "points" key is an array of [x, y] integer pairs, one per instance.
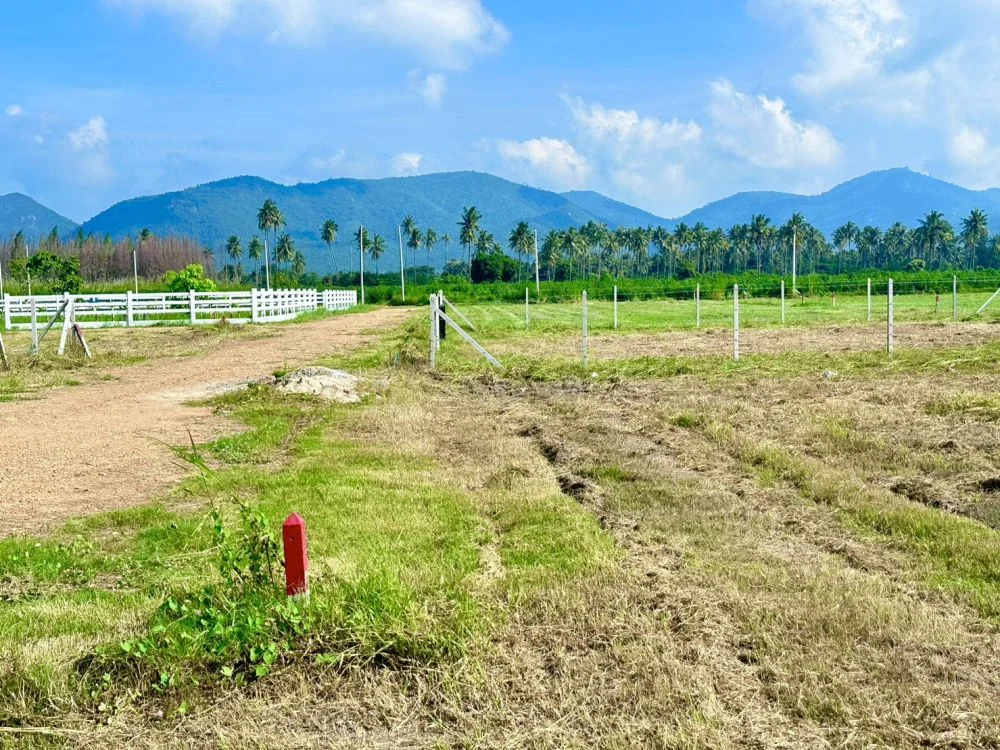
{"points": [[83, 450]]}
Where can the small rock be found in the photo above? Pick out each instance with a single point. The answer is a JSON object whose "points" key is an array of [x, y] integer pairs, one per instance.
{"points": [[332, 385], [829, 374]]}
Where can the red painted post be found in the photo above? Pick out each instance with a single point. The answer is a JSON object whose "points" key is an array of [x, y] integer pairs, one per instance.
{"points": [[296, 556]]}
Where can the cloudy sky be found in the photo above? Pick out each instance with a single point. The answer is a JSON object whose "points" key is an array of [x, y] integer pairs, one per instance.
{"points": [[661, 104]]}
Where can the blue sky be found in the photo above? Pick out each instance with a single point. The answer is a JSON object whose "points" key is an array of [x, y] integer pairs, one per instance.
{"points": [[666, 105]]}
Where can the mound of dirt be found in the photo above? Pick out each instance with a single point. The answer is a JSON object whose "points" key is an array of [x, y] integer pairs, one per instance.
{"points": [[332, 385]]}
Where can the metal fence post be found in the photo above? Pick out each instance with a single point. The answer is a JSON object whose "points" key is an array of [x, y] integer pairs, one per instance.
{"points": [[891, 327], [586, 343], [736, 322]]}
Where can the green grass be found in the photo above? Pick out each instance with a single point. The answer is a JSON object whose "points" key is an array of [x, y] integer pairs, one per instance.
{"points": [[130, 606]]}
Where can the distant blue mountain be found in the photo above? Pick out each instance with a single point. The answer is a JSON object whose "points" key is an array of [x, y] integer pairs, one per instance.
{"points": [[214, 211], [878, 199], [19, 213]]}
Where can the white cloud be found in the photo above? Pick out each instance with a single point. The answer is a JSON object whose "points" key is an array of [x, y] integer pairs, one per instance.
{"points": [[555, 161], [975, 158], [851, 39], [450, 33], [968, 146], [763, 132], [14, 110], [90, 136], [626, 129], [431, 87], [406, 164], [38, 139]]}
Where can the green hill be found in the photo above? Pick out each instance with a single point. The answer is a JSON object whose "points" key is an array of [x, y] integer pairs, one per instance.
{"points": [[213, 211], [19, 213]]}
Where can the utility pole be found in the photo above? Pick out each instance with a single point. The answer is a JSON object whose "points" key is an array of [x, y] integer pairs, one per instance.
{"points": [[362, 242], [267, 264], [794, 248], [402, 264]]}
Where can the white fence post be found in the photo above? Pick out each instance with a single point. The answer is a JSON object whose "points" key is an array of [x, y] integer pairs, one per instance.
{"points": [[253, 305], [192, 312], [586, 343], [869, 300], [527, 309], [736, 322], [616, 307], [34, 327], [129, 312], [954, 297], [6, 312], [434, 330], [697, 306], [890, 327], [782, 302]]}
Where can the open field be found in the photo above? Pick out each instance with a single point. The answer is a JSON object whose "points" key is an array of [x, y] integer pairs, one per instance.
{"points": [[677, 552]]}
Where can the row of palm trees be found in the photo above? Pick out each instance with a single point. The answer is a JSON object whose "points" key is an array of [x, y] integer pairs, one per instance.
{"points": [[595, 249], [762, 246]]}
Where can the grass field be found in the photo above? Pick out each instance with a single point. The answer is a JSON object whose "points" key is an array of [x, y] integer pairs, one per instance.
{"points": [[655, 551]]}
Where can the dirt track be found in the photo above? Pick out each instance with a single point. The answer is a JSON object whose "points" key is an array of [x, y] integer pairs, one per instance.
{"points": [[78, 451]]}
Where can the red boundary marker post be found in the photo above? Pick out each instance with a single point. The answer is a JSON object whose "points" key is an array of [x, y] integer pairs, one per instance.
{"points": [[293, 534]]}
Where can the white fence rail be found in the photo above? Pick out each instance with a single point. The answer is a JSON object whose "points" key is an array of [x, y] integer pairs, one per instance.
{"points": [[178, 308]]}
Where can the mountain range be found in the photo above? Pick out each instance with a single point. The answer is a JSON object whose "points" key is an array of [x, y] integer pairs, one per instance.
{"points": [[213, 211]]}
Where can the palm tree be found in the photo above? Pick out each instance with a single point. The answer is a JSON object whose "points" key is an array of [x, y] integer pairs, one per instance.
{"points": [[550, 254], [430, 240], [521, 242], [933, 234], [446, 239], [270, 218], [376, 250], [469, 233], [284, 251], [869, 246], [255, 250], [299, 263], [328, 233], [761, 232], [415, 240], [975, 231], [843, 238], [234, 249]]}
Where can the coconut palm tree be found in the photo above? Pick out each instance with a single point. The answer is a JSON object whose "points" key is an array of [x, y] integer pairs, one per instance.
{"points": [[550, 253], [415, 239], [934, 234], [270, 219], [446, 239], [255, 251], [430, 240], [843, 239], [284, 251], [761, 232], [328, 233], [376, 250], [521, 241], [234, 249], [975, 231], [299, 263], [469, 233]]}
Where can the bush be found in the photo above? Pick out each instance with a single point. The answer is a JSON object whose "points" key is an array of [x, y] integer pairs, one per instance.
{"points": [[191, 278]]}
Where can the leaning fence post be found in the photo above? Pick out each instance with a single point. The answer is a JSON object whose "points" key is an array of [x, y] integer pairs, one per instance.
{"points": [[890, 327], [616, 307], [736, 322], [586, 343], [869, 300], [782, 302], [697, 306], [293, 536], [954, 297]]}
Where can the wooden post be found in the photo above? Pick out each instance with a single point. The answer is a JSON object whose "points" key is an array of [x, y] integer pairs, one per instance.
{"points": [[782, 302], [293, 535], [192, 313], [869, 300], [954, 297], [586, 343], [697, 306], [34, 326], [891, 325], [616, 307], [527, 309], [736, 322]]}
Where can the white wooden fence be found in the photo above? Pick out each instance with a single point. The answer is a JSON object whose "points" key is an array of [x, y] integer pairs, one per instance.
{"points": [[184, 308]]}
